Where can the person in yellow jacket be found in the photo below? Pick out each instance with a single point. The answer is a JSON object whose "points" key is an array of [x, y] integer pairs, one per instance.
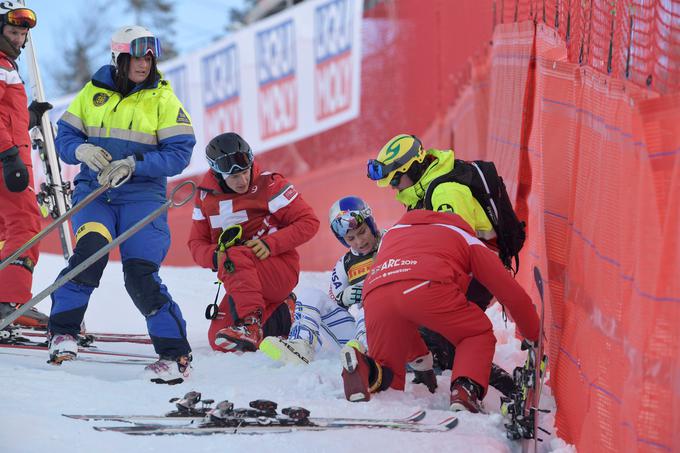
{"points": [[421, 179], [126, 128]]}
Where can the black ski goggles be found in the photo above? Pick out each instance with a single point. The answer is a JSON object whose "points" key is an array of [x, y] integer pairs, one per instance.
{"points": [[228, 164], [21, 17]]}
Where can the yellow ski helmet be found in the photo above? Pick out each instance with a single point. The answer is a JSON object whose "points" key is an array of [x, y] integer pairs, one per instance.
{"points": [[396, 156]]}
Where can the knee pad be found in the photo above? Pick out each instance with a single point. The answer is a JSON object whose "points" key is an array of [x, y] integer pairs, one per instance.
{"points": [[90, 238], [142, 285]]}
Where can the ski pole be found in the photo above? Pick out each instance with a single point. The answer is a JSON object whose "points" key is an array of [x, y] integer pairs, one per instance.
{"points": [[101, 252], [52, 226]]}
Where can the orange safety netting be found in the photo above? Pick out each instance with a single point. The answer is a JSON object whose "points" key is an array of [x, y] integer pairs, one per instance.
{"points": [[578, 103]]}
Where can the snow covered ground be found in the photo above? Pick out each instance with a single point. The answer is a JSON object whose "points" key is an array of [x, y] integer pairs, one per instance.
{"points": [[34, 394]]}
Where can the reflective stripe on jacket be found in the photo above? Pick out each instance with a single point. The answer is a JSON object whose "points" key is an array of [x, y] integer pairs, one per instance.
{"points": [[149, 123]]}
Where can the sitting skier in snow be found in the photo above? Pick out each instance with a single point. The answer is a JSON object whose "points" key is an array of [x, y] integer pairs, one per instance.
{"points": [[260, 271], [422, 282], [353, 224]]}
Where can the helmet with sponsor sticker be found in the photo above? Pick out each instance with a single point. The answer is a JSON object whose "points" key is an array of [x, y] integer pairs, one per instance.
{"points": [[229, 153], [15, 14], [136, 41], [396, 158], [349, 213]]}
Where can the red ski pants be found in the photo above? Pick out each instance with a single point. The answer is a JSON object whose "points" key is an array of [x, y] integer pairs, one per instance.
{"points": [[395, 311], [254, 285], [19, 222]]}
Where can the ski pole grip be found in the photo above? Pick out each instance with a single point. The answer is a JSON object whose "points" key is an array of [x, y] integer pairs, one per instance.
{"points": [[176, 190]]}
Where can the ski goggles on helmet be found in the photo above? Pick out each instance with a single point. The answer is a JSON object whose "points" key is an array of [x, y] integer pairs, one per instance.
{"points": [[21, 17], [349, 220], [228, 164], [139, 47], [377, 170]]}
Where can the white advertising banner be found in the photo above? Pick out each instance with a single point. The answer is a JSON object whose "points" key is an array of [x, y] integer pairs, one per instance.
{"points": [[282, 79]]}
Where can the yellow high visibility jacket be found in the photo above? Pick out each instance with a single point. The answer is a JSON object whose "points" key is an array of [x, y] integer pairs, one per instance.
{"points": [[447, 196], [149, 123]]}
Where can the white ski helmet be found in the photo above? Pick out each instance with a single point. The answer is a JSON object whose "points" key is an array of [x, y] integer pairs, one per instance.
{"points": [[14, 13], [134, 40]]}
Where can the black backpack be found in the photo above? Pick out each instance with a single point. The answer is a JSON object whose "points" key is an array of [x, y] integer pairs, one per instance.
{"points": [[489, 190]]}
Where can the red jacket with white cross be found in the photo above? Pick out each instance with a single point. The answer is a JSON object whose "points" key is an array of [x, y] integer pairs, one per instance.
{"points": [[271, 210]]}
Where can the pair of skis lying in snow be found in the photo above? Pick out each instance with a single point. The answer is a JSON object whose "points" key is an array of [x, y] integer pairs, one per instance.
{"points": [[260, 418], [20, 341]]}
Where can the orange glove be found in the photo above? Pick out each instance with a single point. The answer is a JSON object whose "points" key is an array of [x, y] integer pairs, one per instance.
{"points": [[259, 248]]}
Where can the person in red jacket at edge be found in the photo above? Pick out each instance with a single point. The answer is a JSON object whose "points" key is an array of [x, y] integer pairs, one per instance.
{"points": [[418, 278], [264, 219], [19, 215]]}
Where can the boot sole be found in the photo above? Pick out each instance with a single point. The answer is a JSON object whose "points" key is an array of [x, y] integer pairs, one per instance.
{"points": [[167, 382], [460, 407], [60, 357], [350, 364]]}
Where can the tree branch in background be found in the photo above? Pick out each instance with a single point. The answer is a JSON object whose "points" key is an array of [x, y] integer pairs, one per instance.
{"points": [[83, 45], [159, 17]]}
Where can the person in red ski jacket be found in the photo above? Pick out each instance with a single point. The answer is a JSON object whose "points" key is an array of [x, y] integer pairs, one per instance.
{"points": [[418, 278], [246, 226], [19, 215]]}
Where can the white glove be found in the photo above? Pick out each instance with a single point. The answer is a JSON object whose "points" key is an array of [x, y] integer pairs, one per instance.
{"points": [[117, 172], [351, 295], [93, 156]]}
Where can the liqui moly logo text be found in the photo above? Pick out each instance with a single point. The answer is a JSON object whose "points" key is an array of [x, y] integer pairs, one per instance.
{"points": [[221, 88], [333, 58], [277, 81]]}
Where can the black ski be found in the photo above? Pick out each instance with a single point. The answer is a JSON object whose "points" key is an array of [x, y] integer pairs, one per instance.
{"points": [[277, 425], [174, 415], [260, 418], [522, 408]]}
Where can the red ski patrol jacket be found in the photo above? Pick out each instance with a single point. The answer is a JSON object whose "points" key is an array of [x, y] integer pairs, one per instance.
{"points": [[441, 247], [13, 111], [271, 210]]}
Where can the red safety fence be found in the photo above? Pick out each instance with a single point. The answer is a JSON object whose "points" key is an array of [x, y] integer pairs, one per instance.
{"points": [[578, 103]]}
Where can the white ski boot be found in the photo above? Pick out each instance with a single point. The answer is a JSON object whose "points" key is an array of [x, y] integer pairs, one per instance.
{"points": [[169, 371], [289, 351], [63, 347]]}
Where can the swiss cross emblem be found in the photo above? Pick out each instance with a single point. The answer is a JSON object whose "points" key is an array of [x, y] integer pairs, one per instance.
{"points": [[289, 194]]}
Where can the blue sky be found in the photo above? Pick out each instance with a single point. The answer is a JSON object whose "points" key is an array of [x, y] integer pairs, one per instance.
{"points": [[197, 23]]}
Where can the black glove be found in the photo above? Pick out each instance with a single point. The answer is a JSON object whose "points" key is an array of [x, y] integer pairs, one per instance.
{"points": [[14, 170], [35, 112], [427, 377]]}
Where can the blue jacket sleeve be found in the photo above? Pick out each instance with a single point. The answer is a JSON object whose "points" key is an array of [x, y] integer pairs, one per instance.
{"points": [[176, 140]]}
